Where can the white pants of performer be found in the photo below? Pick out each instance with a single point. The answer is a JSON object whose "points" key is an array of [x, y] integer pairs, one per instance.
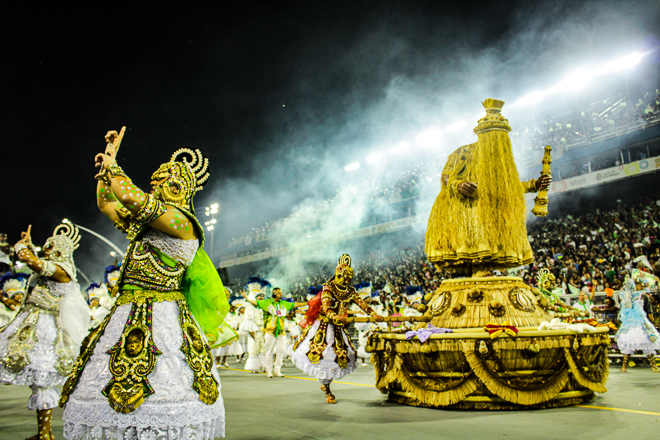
{"points": [[253, 362], [274, 345]]}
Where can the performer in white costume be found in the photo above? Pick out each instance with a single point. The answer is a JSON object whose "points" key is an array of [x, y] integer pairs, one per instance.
{"points": [[147, 371], [253, 323], [234, 348], [275, 310], [292, 331], [11, 297], [97, 311], [110, 278], [39, 346], [242, 335]]}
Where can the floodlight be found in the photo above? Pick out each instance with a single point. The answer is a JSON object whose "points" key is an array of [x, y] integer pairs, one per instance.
{"points": [[353, 166], [624, 63], [531, 98], [429, 138], [400, 147], [579, 79], [374, 158]]}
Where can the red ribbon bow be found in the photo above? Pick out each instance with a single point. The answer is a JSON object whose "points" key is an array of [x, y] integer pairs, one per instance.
{"points": [[494, 330]]}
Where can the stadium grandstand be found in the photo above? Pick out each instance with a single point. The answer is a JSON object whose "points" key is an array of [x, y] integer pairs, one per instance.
{"points": [[596, 146], [604, 202]]}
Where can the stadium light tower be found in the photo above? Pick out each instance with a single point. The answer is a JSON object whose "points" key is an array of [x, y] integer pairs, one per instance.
{"points": [[579, 79], [211, 211]]}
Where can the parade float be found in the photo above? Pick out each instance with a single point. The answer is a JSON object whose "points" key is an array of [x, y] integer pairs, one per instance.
{"points": [[488, 341]]}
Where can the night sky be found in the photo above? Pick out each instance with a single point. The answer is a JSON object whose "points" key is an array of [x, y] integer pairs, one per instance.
{"points": [[251, 84]]}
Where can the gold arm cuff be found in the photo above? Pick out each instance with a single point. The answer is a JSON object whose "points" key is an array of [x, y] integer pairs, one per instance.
{"points": [[115, 170], [141, 295], [151, 210]]}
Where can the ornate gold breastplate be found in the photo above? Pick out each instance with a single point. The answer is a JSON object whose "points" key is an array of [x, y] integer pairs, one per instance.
{"points": [[146, 269]]}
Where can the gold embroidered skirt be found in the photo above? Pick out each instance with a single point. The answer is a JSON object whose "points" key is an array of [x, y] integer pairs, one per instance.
{"points": [[173, 410], [325, 352]]}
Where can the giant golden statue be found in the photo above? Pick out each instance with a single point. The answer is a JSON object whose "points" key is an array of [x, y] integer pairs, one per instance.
{"points": [[478, 220], [484, 341]]}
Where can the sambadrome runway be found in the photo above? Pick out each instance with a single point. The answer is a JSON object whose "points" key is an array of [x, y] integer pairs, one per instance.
{"points": [[294, 408]]}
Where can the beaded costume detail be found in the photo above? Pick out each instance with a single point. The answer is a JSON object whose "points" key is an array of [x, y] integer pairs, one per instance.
{"points": [[145, 268], [132, 359], [44, 299], [182, 251]]}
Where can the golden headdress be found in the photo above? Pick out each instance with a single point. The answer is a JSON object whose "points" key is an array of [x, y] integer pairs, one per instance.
{"points": [[65, 240], [493, 121], [344, 265], [184, 177]]}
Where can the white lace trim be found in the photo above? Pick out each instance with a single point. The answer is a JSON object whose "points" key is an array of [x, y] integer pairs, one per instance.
{"points": [[209, 430], [174, 411], [182, 251], [43, 398], [327, 368], [41, 369]]}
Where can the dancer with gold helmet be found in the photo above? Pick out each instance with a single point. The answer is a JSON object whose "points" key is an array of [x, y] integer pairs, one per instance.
{"points": [[325, 350], [478, 220], [38, 348], [147, 371]]}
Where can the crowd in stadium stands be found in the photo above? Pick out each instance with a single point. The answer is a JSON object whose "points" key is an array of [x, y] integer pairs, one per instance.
{"points": [[390, 185], [592, 251], [568, 129], [385, 187], [592, 120]]}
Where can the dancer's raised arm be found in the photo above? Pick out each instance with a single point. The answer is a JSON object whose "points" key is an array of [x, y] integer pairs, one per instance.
{"points": [[119, 194]]}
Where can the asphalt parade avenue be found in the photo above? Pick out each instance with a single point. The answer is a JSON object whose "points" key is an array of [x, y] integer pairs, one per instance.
{"points": [[294, 408]]}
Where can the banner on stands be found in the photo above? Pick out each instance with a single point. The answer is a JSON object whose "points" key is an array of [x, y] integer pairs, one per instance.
{"points": [[607, 175]]}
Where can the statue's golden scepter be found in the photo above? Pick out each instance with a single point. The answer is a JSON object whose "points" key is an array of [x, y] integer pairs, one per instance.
{"points": [[541, 201]]}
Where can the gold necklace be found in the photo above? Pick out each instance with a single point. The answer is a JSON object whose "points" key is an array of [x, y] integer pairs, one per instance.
{"points": [[341, 295]]}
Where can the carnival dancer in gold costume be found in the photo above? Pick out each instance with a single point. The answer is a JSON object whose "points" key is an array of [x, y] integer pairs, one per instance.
{"points": [[478, 220], [147, 371], [325, 351], [38, 348]]}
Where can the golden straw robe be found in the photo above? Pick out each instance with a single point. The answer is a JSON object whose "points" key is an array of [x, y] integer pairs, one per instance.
{"points": [[486, 231]]}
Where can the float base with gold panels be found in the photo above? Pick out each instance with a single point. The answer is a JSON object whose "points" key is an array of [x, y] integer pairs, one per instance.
{"points": [[515, 367]]}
